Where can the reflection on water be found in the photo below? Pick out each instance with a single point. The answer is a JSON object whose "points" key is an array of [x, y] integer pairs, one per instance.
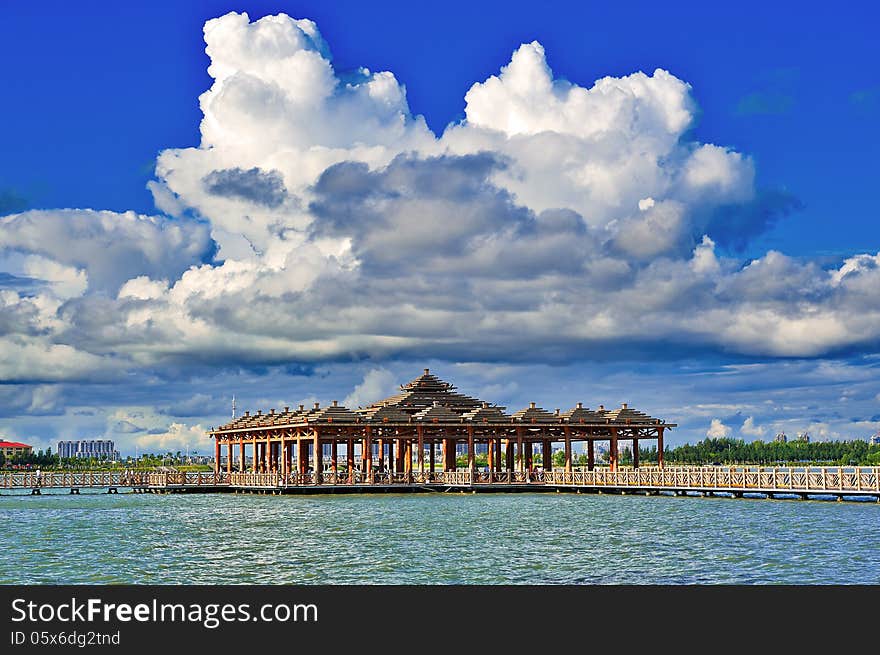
{"points": [[434, 539]]}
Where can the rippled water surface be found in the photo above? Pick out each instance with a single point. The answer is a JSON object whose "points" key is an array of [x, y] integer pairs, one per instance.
{"points": [[434, 539]]}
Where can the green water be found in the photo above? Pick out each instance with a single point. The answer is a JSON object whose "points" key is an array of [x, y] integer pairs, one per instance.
{"points": [[435, 539]]}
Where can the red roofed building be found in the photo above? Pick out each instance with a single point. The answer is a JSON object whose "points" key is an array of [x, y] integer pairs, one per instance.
{"points": [[10, 449]]}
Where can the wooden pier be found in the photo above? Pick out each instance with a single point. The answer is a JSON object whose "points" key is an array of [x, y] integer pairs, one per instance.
{"points": [[857, 482]]}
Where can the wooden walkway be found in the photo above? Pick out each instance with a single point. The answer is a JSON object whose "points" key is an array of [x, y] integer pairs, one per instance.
{"points": [[798, 482]]}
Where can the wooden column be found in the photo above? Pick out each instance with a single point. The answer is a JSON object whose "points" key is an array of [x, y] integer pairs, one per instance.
{"points": [[431, 455], [282, 459], [547, 455], [591, 455], [302, 455], [660, 447], [254, 457], [635, 453], [380, 460], [567, 431], [508, 455], [267, 453], [318, 456], [490, 458], [229, 457], [368, 449], [391, 467], [288, 457], [407, 459], [401, 455], [421, 447], [529, 449], [241, 455], [498, 455], [520, 455], [216, 455], [349, 459], [472, 451], [334, 465], [612, 450]]}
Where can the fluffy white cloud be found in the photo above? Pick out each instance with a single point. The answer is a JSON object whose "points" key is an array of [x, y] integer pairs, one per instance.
{"points": [[717, 429], [378, 383], [555, 222], [750, 428]]}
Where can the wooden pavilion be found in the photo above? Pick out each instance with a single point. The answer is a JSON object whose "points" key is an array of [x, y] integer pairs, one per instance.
{"points": [[426, 416]]}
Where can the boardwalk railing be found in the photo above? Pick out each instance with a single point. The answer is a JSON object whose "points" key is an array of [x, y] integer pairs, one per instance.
{"points": [[800, 480]]}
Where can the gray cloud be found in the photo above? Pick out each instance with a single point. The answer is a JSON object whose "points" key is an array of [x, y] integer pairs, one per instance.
{"points": [[254, 185]]}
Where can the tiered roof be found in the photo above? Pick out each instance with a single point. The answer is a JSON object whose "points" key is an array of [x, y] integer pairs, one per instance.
{"points": [[581, 414], [487, 414], [422, 393], [533, 414], [437, 413], [427, 398], [628, 415]]}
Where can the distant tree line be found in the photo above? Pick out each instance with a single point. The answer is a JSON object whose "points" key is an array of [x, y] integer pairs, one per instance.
{"points": [[737, 451], [47, 460]]}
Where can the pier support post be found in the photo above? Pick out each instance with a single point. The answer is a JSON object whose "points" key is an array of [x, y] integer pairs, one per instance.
{"points": [[472, 453], [490, 458], [421, 446], [567, 431], [520, 455], [318, 459], [368, 450], [660, 447], [612, 450]]}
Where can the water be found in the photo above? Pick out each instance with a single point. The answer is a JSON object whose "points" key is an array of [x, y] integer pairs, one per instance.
{"points": [[434, 539]]}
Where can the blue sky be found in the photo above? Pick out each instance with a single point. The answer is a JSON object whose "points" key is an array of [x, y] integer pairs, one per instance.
{"points": [[773, 164]]}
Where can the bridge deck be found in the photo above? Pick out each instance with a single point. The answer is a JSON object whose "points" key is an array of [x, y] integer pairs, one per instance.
{"points": [[737, 481]]}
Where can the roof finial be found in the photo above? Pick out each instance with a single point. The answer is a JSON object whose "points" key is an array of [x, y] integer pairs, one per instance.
{"points": [[427, 370], [532, 405]]}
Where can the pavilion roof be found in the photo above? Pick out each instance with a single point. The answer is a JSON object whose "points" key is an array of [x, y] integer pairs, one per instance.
{"points": [[487, 414], [581, 414], [437, 412], [626, 414], [422, 393], [334, 413], [427, 398], [534, 414]]}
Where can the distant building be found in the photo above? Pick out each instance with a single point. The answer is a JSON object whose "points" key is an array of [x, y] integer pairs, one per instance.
{"points": [[97, 448], [781, 438], [10, 449], [875, 440], [804, 436]]}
